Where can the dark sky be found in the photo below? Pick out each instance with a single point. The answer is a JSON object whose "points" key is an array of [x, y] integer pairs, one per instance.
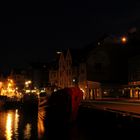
{"points": [[71, 25]]}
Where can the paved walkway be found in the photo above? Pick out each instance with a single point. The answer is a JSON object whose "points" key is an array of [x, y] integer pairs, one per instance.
{"points": [[124, 106]]}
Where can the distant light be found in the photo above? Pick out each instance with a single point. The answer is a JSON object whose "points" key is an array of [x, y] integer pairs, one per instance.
{"points": [[9, 126], [99, 43], [1, 84], [42, 90], [28, 82], [123, 39], [33, 90], [73, 80], [82, 90], [58, 52], [55, 90], [28, 91]]}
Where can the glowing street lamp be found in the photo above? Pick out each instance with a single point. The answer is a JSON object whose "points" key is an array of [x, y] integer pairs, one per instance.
{"points": [[27, 83], [123, 39], [58, 52]]}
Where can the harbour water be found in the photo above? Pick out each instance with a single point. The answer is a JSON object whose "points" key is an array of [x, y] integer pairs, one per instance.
{"points": [[19, 124], [16, 125]]}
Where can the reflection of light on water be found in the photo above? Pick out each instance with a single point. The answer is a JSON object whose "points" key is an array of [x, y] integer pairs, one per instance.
{"points": [[9, 127], [27, 131], [16, 124], [41, 128]]}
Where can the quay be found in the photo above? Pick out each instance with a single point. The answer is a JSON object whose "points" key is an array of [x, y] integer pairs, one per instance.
{"points": [[111, 113], [123, 106]]}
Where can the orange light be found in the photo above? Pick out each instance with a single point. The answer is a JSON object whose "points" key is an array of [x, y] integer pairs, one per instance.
{"points": [[1, 84], [124, 39]]}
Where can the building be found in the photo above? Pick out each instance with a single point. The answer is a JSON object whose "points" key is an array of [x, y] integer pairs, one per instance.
{"points": [[18, 76], [104, 68], [61, 72], [72, 69], [38, 74], [133, 88]]}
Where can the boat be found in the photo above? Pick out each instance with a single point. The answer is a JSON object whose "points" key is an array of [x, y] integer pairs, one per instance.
{"points": [[64, 104], [2, 101], [30, 101], [9, 102]]}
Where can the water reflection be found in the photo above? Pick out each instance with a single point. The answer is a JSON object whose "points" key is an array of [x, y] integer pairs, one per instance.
{"points": [[29, 125], [17, 124], [41, 127], [9, 124], [27, 131], [8, 130]]}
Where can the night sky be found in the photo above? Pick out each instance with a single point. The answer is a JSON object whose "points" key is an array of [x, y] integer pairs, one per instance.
{"points": [[73, 25]]}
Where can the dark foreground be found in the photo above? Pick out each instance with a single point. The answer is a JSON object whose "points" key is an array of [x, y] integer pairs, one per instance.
{"points": [[91, 124]]}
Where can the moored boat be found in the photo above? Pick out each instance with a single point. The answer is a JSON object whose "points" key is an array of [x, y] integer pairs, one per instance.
{"points": [[30, 101], [64, 104], [9, 102]]}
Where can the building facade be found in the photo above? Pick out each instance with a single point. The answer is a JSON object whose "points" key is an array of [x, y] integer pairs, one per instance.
{"points": [[70, 70], [100, 70], [62, 72], [133, 87]]}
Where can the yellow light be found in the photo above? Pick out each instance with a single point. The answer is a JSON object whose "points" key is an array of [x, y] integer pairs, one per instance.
{"points": [[9, 84], [82, 89], [33, 91], [26, 83], [27, 131], [9, 127], [16, 121], [11, 80], [29, 82], [28, 91], [42, 91]]}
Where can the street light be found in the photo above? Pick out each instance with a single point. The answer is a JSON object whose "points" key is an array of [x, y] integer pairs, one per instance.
{"points": [[75, 81], [27, 83], [124, 39]]}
